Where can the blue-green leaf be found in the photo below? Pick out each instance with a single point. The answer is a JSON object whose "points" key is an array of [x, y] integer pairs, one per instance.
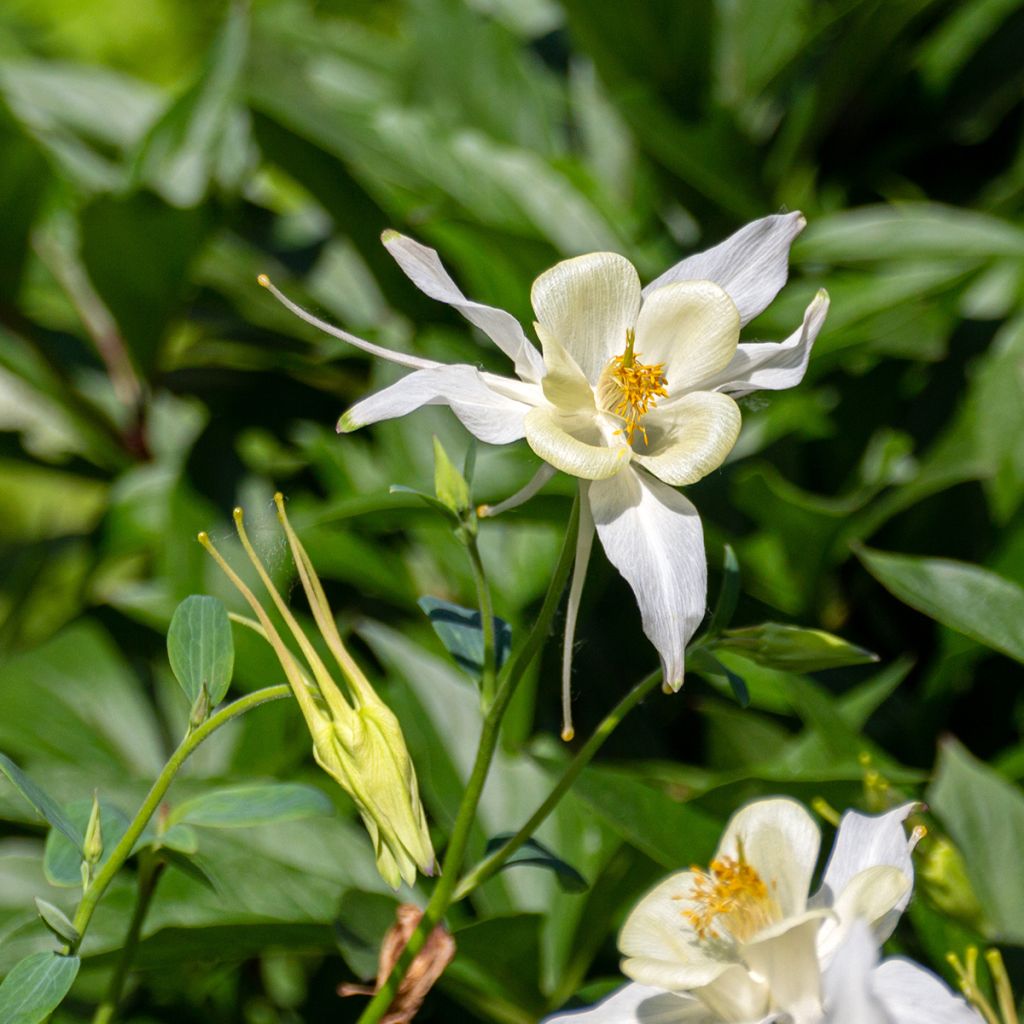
{"points": [[244, 806], [535, 853], [460, 630], [201, 649], [36, 986]]}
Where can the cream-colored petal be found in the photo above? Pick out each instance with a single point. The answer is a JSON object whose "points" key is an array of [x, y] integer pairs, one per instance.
{"points": [[691, 439], [692, 328], [869, 896], [780, 840], [660, 945], [564, 384], [547, 434], [735, 995], [588, 303], [788, 963]]}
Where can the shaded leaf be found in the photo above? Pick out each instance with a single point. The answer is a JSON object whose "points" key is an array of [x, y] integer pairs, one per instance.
{"points": [[792, 648], [966, 598], [44, 804], [984, 814]]}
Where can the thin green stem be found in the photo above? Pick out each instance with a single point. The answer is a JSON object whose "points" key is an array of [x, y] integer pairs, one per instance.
{"points": [[122, 851], [442, 896], [487, 867], [150, 870], [488, 676]]}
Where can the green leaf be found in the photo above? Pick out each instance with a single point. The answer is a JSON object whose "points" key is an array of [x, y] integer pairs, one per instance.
{"points": [[792, 648], [450, 485], [43, 803], [36, 986], [203, 136], [62, 861], [360, 926], [248, 805], [460, 630], [57, 921], [729, 593], [704, 663], [427, 499], [984, 814], [966, 598], [201, 648], [535, 853], [188, 866]]}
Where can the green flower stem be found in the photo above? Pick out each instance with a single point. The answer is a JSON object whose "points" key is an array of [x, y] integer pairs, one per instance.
{"points": [[121, 852], [487, 867], [488, 676], [150, 869], [443, 895]]}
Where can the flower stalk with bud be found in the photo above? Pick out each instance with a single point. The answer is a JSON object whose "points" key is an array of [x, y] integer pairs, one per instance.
{"points": [[356, 737]]}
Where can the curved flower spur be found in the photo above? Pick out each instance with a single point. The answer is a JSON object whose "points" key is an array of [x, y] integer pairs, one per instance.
{"points": [[632, 393]]}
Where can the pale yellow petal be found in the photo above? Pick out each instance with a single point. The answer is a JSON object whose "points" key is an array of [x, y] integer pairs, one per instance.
{"points": [[588, 303], [547, 435], [691, 438], [564, 383]]}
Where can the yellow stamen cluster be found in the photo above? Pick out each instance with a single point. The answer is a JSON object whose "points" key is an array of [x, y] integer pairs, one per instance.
{"points": [[635, 387], [730, 895]]}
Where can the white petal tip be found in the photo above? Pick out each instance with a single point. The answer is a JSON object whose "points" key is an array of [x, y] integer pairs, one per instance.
{"points": [[346, 424], [800, 219], [389, 235]]}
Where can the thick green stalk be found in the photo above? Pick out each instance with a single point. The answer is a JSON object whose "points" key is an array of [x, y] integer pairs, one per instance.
{"points": [[150, 870], [442, 896], [123, 849], [487, 867], [488, 675]]}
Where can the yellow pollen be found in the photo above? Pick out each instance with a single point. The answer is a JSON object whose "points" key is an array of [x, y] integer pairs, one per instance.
{"points": [[730, 895], [633, 388]]}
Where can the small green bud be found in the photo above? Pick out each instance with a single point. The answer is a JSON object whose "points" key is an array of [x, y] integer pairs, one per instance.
{"points": [[449, 484], [92, 847], [943, 877], [200, 708], [792, 648]]}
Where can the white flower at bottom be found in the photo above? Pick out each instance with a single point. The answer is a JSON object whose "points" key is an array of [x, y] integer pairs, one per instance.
{"points": [[632, 393], [743, 943]]}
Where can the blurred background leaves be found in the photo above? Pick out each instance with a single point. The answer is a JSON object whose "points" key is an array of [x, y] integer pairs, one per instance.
{"points": [[155, 158]]}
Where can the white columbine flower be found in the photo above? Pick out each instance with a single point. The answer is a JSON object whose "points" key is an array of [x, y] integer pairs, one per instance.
{"points": [[743, 943], [631, 393]]}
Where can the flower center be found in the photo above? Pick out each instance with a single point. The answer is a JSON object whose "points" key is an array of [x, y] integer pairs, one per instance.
{"points": [[730, 895], [629, 388]]}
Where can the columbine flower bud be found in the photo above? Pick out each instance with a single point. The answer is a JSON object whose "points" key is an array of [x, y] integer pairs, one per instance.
{"points": [[92, 845], [357, 739]]}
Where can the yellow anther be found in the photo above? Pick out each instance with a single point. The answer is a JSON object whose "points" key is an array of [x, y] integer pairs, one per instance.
{"points": [[730, 896], [568, 733], [630, 389], [263, 281]]}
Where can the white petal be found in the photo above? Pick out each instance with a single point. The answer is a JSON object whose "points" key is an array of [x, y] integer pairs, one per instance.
{"points": [[780, 840], [751, 265], [548, 435], [523, 495], [424, 268], [869, 897], [774, 365], [639, 1004], [588, 303], [653, 536], [660, 945], [691, 327], [690, 439], [866, 841], [402, 358], [584, 542], [788, 963], [490, 416], [849, 995], [912, 995]]}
